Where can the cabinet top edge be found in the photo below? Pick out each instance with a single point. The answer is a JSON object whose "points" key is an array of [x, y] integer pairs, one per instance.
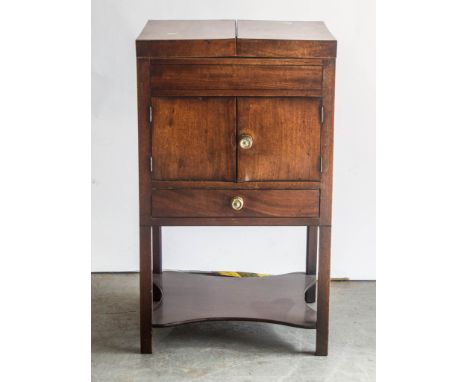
{"points": [[157, 30], [231, 38]]}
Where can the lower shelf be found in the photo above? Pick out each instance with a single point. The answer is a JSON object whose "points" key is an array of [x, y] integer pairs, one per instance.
{"points": [[191, 297]]}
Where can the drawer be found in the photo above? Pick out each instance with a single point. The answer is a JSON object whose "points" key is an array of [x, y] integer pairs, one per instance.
{"points": [[236, 77], [222, 203]]}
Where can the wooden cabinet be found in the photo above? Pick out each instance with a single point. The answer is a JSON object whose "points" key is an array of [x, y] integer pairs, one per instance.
{"points": [[235, 126]]}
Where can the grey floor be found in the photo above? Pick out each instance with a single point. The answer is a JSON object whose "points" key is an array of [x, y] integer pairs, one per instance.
{"points": [[230, 351]]}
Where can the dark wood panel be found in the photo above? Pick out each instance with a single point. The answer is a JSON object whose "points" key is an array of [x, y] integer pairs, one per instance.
{"points": [[217, 203], [194, 138], [274, 48], [284, 39], [171, 184], [189, 77], [286, 139], [191, 297], [195, 48], [187, 38], [175, 30]]}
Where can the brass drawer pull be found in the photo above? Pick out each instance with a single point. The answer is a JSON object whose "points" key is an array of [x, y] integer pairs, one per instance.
{"points": [[246, 142], [237, 203]]}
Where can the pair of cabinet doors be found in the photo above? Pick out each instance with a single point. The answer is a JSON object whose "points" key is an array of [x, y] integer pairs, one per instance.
{"points": [[197, 138]]}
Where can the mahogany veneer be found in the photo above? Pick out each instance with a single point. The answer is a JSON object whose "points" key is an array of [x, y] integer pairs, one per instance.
{"points": [[235, 127]]}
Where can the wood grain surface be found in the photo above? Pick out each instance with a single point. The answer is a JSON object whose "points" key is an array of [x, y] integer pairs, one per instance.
{"points": [[237, 77], [217, 203], [286, 139], [221, 38], [194, 138], [187, 38], [284, 39], [175, 30]]}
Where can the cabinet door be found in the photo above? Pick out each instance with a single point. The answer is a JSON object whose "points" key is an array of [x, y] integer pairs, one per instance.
{"points": [[285, 134], [194, 138]]}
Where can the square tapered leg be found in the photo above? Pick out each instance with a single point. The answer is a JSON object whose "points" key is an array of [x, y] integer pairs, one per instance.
{"points": [[311, 261], [146, 290], [323, 292]]}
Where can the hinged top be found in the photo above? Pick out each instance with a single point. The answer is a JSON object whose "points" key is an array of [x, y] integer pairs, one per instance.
{"points": [[283, 30], [188, 30], [228, 38]]}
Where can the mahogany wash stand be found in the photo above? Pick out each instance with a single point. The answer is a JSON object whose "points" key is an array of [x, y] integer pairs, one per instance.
{"points": [[235, 128]]}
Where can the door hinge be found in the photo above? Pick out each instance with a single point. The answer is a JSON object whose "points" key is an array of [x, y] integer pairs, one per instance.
{"points": [[151, 164], [321, 164], [321, 114], [151, 113]]}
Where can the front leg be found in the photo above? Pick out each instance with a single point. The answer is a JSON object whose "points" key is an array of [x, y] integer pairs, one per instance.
{"points": [[146, 291], [323, 299]]}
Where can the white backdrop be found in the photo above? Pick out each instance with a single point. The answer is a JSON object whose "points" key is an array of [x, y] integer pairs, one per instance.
{"points": [[115, 25]]}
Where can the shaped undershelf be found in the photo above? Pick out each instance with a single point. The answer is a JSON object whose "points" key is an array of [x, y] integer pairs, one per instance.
{"points": [[193, 297]]}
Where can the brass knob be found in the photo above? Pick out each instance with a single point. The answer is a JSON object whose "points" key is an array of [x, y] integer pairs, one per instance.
{"points": [[237, 203], [246, 142]]}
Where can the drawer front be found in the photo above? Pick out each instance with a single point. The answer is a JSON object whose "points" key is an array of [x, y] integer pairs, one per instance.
{"points": [[221, 203], [236, 77]]}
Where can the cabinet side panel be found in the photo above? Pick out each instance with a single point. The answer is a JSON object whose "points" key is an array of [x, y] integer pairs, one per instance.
{"points": [[327, 142], [144, 138]]}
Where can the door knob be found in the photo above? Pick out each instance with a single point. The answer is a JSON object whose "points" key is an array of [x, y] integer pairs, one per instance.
{"points": [[245, 142], [237, 203]]}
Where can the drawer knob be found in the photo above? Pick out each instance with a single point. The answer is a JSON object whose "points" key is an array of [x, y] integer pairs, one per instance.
{"points": [[246, 142], [237, 203]]}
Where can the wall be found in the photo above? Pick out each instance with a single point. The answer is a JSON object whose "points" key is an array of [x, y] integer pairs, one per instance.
{"points": [[115, 25]]}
